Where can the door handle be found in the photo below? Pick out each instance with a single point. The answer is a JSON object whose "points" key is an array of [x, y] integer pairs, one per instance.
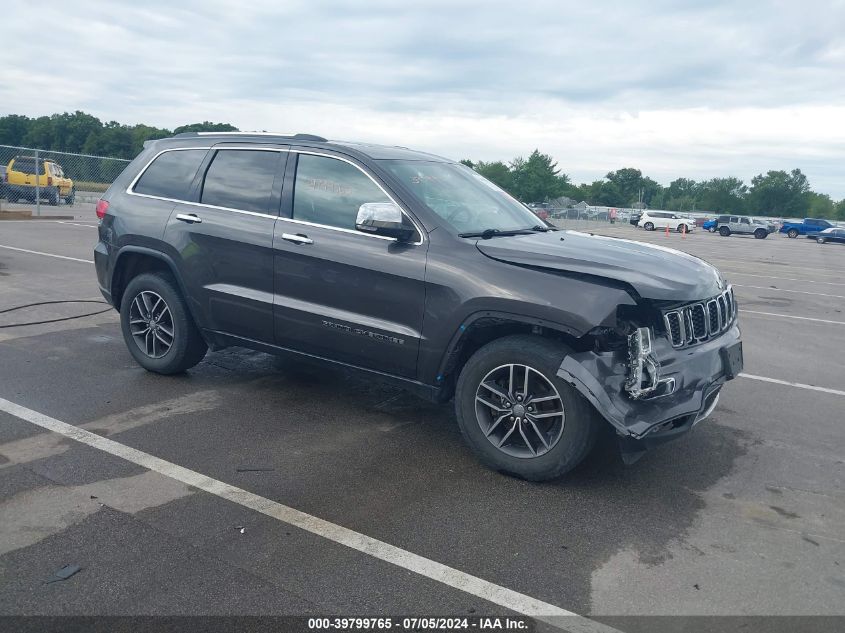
{"points": [[297, 239], [190, 218]]}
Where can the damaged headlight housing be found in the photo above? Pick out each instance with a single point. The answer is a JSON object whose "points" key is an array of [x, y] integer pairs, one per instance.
{"points": [[643, 370]]}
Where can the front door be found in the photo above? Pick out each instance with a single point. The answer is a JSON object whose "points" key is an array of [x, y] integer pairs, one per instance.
{"points": [[340, 293]]}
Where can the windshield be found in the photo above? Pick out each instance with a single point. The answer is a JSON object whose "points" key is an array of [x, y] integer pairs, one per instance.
{"points": [[468, 202]]}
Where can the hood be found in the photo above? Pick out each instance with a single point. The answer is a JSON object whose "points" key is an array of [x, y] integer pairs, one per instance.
{"points": [[655, 272]]}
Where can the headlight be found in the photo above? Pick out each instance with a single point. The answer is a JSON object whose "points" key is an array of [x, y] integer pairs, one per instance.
{"points": [[643, 370]]}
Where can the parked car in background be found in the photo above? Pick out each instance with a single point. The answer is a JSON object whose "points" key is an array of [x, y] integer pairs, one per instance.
{"points": [[653, 220], [743, 225], [710, 225], [835, 234], [635, 218], [541, 209], [810, 227], [21, 180]]}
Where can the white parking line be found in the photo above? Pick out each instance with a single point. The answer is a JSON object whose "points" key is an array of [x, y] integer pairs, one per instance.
{"points": [[518, 602], [789, 316], [800, 292], [800, 385], [88, 226], [23, 250], [806, 281]]}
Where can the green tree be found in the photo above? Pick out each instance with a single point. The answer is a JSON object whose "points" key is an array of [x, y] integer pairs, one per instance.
{"points": [[496, 172], [13, 129], [629, 186], [537, 179], [722, 195], [820, 205], [680, 195], [779, 193], [205, 126]]}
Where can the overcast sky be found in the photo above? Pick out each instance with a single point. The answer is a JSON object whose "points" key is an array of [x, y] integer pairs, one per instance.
{"points": [[697, 89]]}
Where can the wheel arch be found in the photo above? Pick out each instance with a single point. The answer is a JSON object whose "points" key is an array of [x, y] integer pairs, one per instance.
{"points": [[132, 261], [483, 327]]}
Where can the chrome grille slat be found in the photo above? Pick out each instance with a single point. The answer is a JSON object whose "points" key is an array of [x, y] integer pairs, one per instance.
{"points": [[702, 320]]}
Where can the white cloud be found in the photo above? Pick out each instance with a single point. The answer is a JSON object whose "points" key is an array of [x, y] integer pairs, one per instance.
{"points": [[674, 88]]}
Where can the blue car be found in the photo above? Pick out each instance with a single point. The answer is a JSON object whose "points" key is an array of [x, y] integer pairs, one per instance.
{"points": [[709, 225]]}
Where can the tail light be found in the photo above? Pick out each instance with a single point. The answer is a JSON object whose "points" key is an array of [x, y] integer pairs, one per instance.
{"points": [[49, 181], [102, 207]]}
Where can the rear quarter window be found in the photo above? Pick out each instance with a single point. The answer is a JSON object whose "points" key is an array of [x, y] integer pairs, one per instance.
{"points": [[170, 175]]}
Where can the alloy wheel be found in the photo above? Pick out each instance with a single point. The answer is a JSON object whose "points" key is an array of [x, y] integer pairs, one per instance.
{"points": [[151, 324], [519, 411]]}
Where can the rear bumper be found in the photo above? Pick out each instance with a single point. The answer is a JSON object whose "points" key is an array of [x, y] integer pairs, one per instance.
{"points": [[101, 265], [698, 373]]}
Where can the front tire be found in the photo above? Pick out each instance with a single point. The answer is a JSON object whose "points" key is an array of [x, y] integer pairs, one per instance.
{"points": [[821, 240], [682, 228], [157, 327], [515, 378], [761, 234]]}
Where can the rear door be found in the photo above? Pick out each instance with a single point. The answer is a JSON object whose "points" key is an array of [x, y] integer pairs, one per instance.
{"points": [[340, 293], [224, 239]]}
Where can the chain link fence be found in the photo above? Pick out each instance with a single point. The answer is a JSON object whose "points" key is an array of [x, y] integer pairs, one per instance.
{"points": [[46, 182]]}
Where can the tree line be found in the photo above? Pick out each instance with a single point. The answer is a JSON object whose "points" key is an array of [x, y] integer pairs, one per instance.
{"points": [[533, 179], [83, 133], [775, 193]]}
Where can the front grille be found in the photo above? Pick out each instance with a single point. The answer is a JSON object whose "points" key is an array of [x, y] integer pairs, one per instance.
{"points": [[700, 321]]}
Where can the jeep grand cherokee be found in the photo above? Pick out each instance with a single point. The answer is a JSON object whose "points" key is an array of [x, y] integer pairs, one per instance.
{"points": [[417, 270]]}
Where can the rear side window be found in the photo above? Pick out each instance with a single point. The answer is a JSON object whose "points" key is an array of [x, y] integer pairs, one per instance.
{"points": [[25, 166], [329, 191], [241, 179], [171, 174]]}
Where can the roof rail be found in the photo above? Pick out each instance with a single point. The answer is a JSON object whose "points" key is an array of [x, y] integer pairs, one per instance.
{"points": [[295, 136]]}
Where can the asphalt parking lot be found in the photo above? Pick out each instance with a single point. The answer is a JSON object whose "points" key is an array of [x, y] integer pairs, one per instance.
{"points": [[743, 516]]}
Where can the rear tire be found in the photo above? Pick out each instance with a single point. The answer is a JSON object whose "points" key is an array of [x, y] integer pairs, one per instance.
{"points": [[159, 351], [724, 231], [537, 449], [792, 233], [648, 226]]}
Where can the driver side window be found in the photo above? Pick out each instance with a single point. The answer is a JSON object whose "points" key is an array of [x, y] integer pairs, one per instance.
{"points": [[329, 191]]}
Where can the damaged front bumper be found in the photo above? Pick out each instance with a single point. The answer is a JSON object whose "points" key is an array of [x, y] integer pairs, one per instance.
{"points": [[689, 383]]}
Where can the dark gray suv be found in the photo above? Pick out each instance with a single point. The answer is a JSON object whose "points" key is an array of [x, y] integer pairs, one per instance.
{"points": [[417, 270]]}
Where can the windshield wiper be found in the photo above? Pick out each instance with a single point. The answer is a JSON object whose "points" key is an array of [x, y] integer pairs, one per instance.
{"points": [[486, 234]]}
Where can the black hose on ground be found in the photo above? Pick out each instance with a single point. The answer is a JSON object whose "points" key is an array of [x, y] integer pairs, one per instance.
{"points": [[44, 303]]}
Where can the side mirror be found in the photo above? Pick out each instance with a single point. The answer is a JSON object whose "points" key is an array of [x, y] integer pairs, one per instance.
{"points": [[383, 218]]}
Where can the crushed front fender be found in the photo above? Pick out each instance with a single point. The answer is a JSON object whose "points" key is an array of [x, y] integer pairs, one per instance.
{"points": [[698, 373]]}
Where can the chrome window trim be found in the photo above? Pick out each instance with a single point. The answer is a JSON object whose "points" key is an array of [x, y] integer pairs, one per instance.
{"points": [[130, 192], [129, 189]]}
